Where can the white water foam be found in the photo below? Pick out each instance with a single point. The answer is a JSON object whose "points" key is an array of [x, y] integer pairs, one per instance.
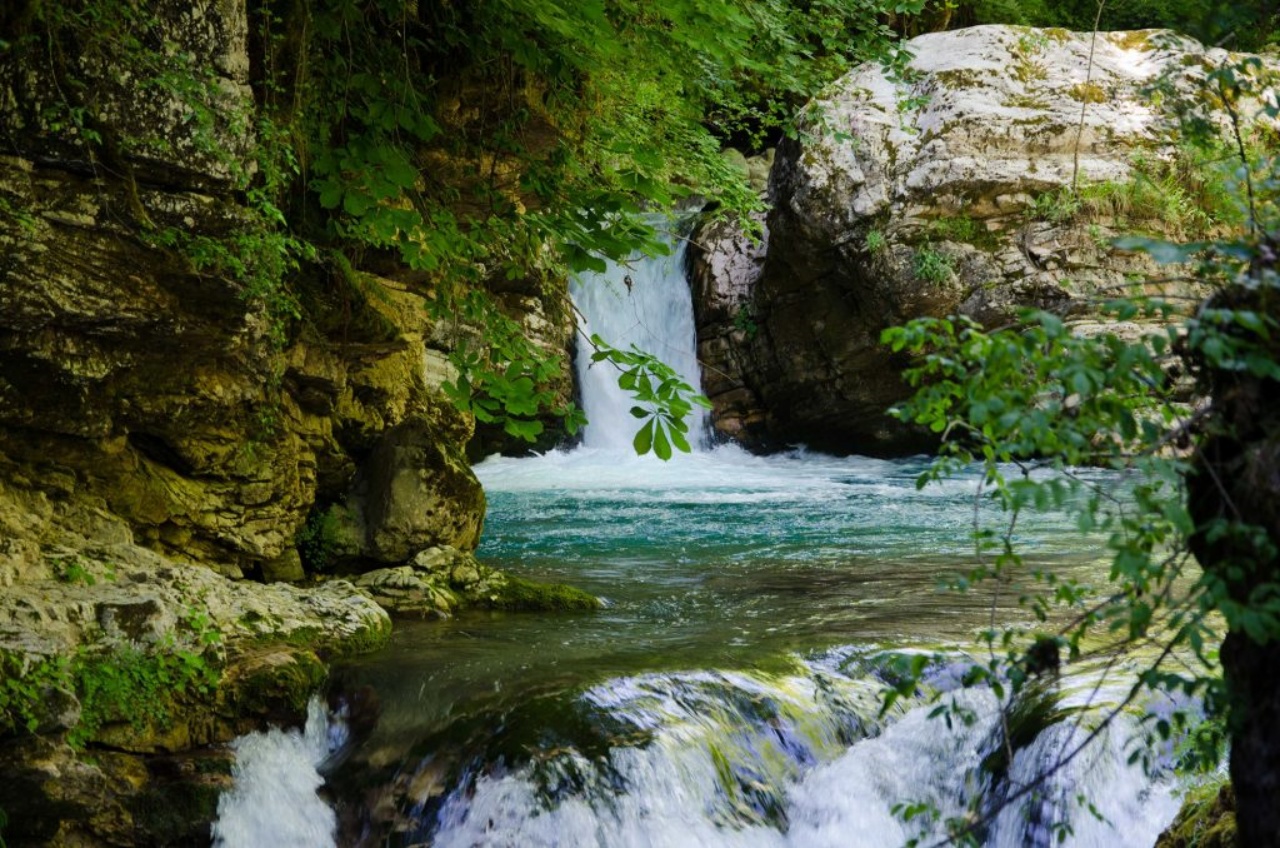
{"points": [[688, 786], [645, 303], [274, 801]]}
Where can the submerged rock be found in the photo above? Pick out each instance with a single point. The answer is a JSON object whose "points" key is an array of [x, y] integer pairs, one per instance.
{"points": [[441, 580], [945, 190]]}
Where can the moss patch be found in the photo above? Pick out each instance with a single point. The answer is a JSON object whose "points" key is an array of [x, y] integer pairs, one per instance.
{"points": [[276, 683], [960, 78], [1088, 92], [523, 595], [1207, 820], [181, 799], [1025, 101], [1136, 40]]}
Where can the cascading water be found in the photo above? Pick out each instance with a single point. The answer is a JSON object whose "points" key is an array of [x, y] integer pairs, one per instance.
{"points": [[274, 800], [643, 303], [755, 555], [795, 761], [728, 694]]}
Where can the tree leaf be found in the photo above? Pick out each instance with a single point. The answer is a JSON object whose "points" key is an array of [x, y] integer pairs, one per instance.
{"points": [[661, 446], [643, 441]]}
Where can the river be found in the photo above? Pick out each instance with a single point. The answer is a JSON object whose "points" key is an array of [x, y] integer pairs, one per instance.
{"points": [[729, 693]]}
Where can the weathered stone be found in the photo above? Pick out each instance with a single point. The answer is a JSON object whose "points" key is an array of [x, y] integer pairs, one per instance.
{"points": [[415, 487], [285, 568], [441, 580], [916, 196], [726, 267]]}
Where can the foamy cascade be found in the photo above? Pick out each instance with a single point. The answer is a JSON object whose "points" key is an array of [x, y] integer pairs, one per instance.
{"points": [[274, 801], [736, 760], [644, 302]]}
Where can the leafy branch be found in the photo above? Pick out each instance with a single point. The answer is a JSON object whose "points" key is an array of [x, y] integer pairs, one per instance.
{"points": [[663, 399]]}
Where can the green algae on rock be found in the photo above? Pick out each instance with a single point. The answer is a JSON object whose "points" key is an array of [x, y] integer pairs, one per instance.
{"points": [[441, 580], [1207, 820]]}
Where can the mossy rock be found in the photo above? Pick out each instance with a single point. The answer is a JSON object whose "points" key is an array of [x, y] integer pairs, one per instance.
{"points": [[274, 684], [180, 800], [518, 594], [1207, 820]]}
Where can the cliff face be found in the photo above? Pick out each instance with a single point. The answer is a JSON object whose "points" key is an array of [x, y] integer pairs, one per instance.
{"points": [[161, 419], [152, 365], [945, 191], [207, 417]]}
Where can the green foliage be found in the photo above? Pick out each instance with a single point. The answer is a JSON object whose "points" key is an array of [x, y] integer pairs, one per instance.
{"points": [[24, 219], [876, 242], [663, 399], [138, 686], [931, 265], [120, 682], [745, 322], [23, 690], [957, 228], [316, 539], [1192, 195], [504, 378], [591, 114], [73, 570]]}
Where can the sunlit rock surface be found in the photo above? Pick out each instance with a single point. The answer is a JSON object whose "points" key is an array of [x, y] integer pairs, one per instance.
{"points": [[937, 193]]}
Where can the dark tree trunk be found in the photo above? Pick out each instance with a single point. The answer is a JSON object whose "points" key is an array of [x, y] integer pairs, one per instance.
{"points": [[1252, 672], [1236, 479]]}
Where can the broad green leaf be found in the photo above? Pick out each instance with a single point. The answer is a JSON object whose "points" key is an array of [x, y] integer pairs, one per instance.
{"points": [[643, 441], [661, 446]]}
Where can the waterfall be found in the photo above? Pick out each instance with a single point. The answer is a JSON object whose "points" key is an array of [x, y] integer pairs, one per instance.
{"points": [[644, 302], [274, 800]]}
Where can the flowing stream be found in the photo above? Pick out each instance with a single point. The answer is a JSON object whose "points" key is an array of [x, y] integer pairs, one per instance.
{"points": [[729, 693]]}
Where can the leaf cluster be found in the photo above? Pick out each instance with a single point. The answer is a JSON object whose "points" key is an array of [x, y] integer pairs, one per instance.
{"points": [[664, 400], [504, 377]]}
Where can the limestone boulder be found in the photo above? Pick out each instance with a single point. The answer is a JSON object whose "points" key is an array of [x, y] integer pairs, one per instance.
{"points": [[940, 191], [418, 493]]}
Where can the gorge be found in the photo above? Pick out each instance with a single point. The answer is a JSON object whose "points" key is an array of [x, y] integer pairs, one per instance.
{"points": [[275, 279]]}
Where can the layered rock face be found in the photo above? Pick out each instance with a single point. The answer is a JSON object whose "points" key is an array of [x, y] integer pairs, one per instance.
{"points": [[945, 191], [165, 427], [208, 418]]}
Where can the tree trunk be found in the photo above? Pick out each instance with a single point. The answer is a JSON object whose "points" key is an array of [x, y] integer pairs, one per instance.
{"points": [[1252, 673], [1236, 478]]}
